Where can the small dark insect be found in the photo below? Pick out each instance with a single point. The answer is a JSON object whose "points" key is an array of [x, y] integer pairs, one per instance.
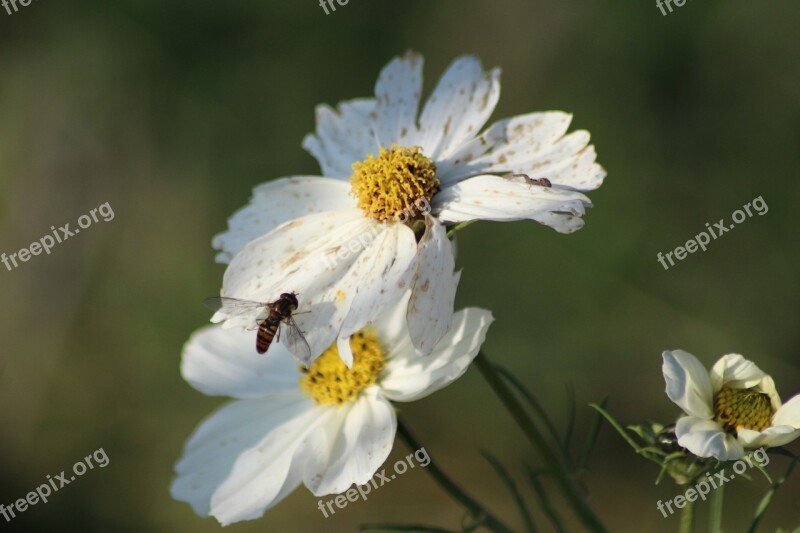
{"points": [[541, 182], [667, 440], [278, 319]]}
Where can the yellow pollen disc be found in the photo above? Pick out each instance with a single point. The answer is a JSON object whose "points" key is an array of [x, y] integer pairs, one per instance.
{"points": [[394, 183], [737, 409], [329, 381]]}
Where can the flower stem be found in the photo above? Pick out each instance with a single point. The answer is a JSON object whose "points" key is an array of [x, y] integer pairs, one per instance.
{"points": [[481, 515], [715, 516], [687, 518], [566, 483]]}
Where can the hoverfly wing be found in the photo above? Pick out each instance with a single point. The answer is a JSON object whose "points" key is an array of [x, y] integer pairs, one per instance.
{"points": [[294, 340], [234, 307]]}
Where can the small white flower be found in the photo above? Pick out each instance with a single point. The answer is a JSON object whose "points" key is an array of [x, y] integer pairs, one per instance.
{"points": [[346, 242], [732, 408], [326, 426]]}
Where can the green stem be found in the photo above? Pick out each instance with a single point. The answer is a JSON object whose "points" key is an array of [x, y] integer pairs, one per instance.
{"points": [[687, 518], [452, 231], [480, 514], [767, 499], [715, 516], [566, 483]]}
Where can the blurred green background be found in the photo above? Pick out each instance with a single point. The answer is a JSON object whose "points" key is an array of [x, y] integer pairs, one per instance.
{"points": [[172, 112]]}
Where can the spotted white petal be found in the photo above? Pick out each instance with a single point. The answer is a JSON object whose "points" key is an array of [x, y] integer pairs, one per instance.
{"points": [[410, 376], [502, 199], [214, 449], [305, 246], [687, 383], [276, 202], [357, 442], [339, 292], [397, 93], [706, 438], [219, 361], [430, 310], [459, 106], [376, 275], [379, 277], [343, 136], [532, 144]]}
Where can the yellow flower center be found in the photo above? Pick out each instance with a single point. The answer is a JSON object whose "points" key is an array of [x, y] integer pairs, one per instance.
{"points": [[329, 381], [737, 409], [389, 185]]}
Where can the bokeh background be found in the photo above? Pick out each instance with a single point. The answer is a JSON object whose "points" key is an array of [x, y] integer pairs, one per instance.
{"points": [[173, 111]]}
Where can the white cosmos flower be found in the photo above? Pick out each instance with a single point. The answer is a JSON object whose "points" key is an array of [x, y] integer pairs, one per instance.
{"points": [[328, 427], [731, 408], [346, 242]]}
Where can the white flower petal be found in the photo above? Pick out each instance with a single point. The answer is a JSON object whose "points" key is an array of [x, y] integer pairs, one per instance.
{"points": [[224, 362], [259, 474], [503, 199], [735, 372], [772, 436], [359, 445], [214, 447], [344, 267], [459, 106], [305, 248], [397, 93], [276, 202], [345, 351], [379, 277], [343, 136], [410, 376], [392, 326], [788, 414], [687, 383], [430, 310], [532, 144], [706, 438]]}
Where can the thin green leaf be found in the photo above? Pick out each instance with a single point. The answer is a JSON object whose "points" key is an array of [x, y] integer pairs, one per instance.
{"points": [[544, 500], [512, 488], [594, 433], [531, 399], [622, 433], [570, 416]]}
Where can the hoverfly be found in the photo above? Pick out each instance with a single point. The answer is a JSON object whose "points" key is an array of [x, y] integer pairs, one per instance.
{"points": [[277, 322]]}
